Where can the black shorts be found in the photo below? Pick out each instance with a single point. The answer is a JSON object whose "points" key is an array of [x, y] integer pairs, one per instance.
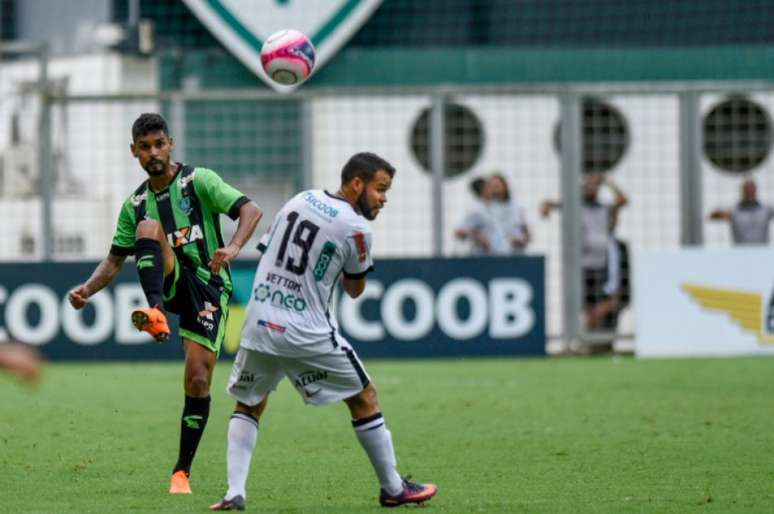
{"points": [[594, 280], [202, 307]]}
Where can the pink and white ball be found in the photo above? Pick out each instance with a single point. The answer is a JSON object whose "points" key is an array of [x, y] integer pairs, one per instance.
{"points": [[288, 57]]}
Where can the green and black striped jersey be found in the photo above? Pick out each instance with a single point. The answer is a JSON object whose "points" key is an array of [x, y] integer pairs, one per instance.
{"points": [[189, 211]]}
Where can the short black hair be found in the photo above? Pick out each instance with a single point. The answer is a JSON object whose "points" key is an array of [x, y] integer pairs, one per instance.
{"points": [[149, 122], [365, 165], [477, 185]]}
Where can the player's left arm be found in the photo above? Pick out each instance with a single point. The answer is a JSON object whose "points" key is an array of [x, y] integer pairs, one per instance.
{"points": [[226, 199], [249, 216], [357, 263]]}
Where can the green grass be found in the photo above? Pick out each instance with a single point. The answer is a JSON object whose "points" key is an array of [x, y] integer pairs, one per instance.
{"points": [[518, 436]]}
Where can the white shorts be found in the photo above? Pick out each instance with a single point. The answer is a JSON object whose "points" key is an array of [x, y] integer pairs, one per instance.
{"points": [[320, 379]]}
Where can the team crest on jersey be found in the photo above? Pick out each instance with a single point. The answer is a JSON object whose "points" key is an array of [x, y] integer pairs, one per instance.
{"points": [[185, 205], [185, 235]]}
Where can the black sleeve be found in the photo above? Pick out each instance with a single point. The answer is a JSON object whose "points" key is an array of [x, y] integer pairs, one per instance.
{"points": [[233, 212], [121, 251], [355, 276]]}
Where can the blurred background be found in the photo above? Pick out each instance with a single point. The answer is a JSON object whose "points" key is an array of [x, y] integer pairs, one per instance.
{"points": [[667, 102]]}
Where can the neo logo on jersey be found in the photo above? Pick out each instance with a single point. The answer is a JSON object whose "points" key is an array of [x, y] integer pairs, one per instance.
{"points": [[279, 299], [185, 235]]}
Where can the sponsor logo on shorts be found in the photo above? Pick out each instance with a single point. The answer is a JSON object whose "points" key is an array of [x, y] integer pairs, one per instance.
{"points": [[280, 299], [247, 376], [309, 394], [206, 317], [308, 378]]}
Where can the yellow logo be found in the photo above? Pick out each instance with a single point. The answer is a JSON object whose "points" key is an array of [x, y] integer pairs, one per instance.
{"points": [[744, 307]]}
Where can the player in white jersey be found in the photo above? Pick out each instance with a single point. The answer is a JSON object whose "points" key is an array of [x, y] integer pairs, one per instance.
{"points": [[317, 240]]}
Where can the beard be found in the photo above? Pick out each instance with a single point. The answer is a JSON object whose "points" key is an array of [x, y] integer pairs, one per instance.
{"points": [[155, 168], [362, 204]]}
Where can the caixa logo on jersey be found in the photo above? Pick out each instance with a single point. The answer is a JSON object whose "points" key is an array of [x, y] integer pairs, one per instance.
{"points": [[185, 235], [432, 307]]}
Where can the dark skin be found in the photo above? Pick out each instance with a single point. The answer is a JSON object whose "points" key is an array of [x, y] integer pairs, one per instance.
{"points": [[367, 198], [153, 152]]}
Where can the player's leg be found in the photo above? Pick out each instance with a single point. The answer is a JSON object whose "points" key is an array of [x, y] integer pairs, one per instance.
{"points": [[339, 375], [376, 440], [203, 313], [199, 366], [252, 378], [155, 261]]}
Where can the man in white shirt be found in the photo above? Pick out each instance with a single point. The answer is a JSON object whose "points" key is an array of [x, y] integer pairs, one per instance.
{"points": [[315, 239], [749, 219], [497, 224]]}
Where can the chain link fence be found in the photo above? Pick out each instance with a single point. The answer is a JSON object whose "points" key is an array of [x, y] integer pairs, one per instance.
{"points": [[676, 152]]}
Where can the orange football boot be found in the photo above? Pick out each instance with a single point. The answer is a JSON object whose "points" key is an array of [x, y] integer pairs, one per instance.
{"points": [[179, 483], [153, 321]]}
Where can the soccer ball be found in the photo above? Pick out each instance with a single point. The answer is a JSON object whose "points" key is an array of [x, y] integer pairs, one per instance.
{"points": [[288, 57]]}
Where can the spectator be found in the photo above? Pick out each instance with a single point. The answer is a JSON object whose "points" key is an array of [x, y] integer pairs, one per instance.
{"points": [[496, 225], [604, 259], [749, 219]]}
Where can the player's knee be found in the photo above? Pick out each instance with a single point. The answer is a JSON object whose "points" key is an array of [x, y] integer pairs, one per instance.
{"points": [[254, 410], [198, 384], [150, 229], [370, 398], [365, 403]]}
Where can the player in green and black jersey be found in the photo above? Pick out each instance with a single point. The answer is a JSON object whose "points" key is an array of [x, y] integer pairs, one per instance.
{"points": [[171, 225]]}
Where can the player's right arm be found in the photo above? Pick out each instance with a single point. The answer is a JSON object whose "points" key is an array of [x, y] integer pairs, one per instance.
{"points": [[123, 245], [102, 276]]}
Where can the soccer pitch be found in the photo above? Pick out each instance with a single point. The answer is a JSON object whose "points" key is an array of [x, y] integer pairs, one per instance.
{"points": [[595, 435]]}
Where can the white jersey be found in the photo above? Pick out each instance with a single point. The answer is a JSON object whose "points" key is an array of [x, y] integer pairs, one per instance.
{"points": [[314, 239]]}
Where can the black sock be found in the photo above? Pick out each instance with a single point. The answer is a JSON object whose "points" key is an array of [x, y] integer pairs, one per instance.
{"points": [[150, 268], [195, 414]]}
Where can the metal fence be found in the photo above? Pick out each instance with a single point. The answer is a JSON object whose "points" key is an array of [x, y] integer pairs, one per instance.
{"points": [[676, 150]]}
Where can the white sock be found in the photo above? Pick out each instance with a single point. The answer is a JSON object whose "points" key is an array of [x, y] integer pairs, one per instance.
{"points": [[376, 440], [242, 433]]}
